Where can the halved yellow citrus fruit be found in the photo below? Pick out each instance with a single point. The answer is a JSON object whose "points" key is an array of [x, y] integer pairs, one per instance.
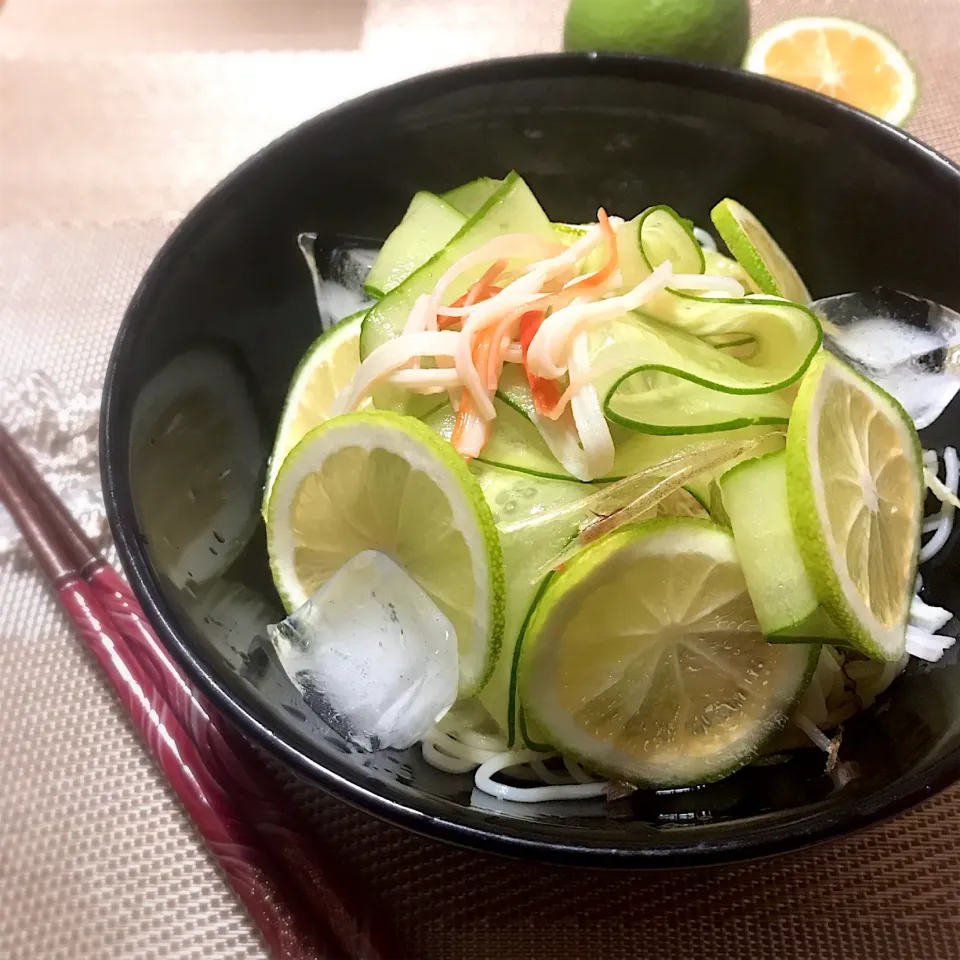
{"points": [[841, 58]]}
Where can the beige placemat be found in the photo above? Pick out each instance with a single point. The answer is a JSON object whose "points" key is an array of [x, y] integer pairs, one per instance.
{"points": [[115, 116], [133, 109]]}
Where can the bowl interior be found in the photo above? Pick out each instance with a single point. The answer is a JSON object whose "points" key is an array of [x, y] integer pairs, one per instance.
{"points": [[210, 342]]}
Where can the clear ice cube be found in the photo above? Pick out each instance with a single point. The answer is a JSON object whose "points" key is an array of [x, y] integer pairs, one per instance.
{"points": [[371, 654], [903, 343], [338, 280]]}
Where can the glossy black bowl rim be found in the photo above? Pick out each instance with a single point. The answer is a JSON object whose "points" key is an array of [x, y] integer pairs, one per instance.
{"points": [[509, 836]]}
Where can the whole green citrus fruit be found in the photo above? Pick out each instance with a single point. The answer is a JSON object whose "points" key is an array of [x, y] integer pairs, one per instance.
{"points": [[707, 31]]}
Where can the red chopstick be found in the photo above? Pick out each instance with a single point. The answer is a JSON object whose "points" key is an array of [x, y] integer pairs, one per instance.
{"points": [[261, 842]]}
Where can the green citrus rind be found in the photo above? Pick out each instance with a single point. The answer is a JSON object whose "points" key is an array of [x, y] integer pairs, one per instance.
{"points": [[769, 268]]}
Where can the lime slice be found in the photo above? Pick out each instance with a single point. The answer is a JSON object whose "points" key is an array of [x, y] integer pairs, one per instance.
{"points": [[195, 464], [644, 659], [327, 368], [380, 481], [757, 252], [855, 487]]}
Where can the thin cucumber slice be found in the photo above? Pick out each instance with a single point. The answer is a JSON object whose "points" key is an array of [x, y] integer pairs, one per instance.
{"points": [[657, 234], [536, 517], [661, 230], [668, 685], [662, 234], [514, 390], [661, 380], [511, 209], [637, 452], [755, 500], [661, 375], [699, 489], [634, 269], [470, 197], [426, 227], [706, 487], [515, 443], [785, 335], [739, 345], [718, 512]]}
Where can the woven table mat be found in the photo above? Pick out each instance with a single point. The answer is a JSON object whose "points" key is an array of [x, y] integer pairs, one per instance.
{"points": [[132, 109], [115, 116]]}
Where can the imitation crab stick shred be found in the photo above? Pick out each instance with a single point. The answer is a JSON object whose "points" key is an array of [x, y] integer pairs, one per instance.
{"points": [[503, 336], [598, 278], [478, 291], [513, 353], [525, 291], [595, 438], [529, 306], [548, 355], [483, 289], [390, 357], [485, 315], [511, 246], [545, 393], [470, 432]]}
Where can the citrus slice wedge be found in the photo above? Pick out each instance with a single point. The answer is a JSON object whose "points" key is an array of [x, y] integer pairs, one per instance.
{"points": [[195, 464], [327, 368], [855, 489], [757, 252]]}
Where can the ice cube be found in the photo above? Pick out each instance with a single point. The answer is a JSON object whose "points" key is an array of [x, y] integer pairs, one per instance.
{"points": [[371, 654], [338, 282], [903, 343]]}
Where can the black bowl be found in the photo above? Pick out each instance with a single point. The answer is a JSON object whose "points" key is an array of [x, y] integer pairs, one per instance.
{"points": [[207, 347]]}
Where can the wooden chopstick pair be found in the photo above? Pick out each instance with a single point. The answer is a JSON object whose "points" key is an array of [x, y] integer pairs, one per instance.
{"points": [[259, 840]]}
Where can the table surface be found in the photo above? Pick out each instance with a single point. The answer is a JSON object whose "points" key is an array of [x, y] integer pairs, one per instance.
{"points": [[115, 117]]}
